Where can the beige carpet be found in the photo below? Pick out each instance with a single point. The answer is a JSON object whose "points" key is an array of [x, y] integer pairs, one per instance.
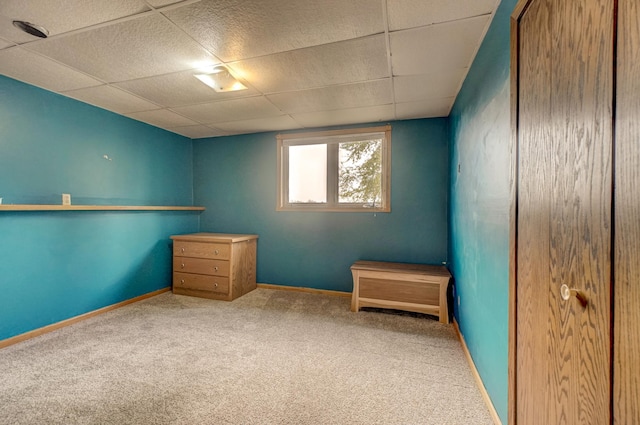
{"points": [[270, 357]]}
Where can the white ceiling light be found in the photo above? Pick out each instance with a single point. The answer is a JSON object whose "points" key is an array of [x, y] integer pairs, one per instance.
{"points": [[221, 80]]}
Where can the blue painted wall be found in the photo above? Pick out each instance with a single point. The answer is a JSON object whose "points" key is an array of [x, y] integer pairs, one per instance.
{"points": [[479, 208], [235, 178], [56, 265]]}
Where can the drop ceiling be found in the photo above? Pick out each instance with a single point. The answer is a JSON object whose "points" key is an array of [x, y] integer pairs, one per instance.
{"points": [[305, 63]]}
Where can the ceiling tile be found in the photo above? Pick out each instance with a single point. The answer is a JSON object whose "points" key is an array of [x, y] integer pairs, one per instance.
{"points": [[346, 116], [424, 109], [55, 15], [376, 92], [42, 72], [4, 44], [419, 87], [112, 99], [132, 49], [307, 63], [230, 110], [338, 63], [197, 131], [162, 3], [405, 14], [437, 47], [239, 29], [162, 118], [283, 122], [179, 89]]}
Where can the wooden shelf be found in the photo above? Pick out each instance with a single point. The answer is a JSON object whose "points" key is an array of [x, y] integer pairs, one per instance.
{"points": [[8, 207]]}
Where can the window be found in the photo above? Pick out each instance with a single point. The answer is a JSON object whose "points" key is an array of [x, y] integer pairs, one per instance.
{"points": [[342, 170]]}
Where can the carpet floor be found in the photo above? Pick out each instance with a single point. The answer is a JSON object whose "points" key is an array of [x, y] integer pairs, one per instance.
{"points": [[269, 357]]}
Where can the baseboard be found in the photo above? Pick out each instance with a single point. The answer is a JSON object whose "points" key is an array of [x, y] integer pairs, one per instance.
{"points": [[308, 290], [476, 375], [59, 325]]}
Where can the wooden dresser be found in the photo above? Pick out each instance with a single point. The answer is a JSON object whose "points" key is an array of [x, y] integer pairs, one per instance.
{"points": [[412, 287], [219, 266]]}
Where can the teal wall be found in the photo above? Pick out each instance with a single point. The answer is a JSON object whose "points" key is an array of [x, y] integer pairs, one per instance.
{"points": [[235, 179], [56, 265], [479, 208]]}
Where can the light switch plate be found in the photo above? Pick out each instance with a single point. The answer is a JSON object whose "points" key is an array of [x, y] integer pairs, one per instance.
{"points": [[66, 199]]}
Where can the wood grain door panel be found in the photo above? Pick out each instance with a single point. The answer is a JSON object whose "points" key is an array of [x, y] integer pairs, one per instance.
{"points": [[534, 209], [626, 361], [564, 211]]}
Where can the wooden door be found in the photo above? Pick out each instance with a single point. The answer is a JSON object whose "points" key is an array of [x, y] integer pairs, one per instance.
{"points": [[564, 235], [626, 353]]}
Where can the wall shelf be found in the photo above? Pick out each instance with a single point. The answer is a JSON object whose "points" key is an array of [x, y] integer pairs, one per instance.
{"points": [[25, 207]]}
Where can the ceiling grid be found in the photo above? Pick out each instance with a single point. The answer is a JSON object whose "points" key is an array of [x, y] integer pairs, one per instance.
{"points": [[305, 64]]}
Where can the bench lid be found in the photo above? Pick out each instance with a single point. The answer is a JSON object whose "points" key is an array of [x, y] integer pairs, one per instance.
{"points": [[401, 268]]}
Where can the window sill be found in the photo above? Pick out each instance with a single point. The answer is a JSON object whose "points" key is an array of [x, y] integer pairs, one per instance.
{"points": [[307, 208]]}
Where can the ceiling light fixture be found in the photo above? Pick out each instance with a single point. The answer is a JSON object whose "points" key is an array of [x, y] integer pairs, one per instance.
{"points": [[221, 80], [32, 29]]}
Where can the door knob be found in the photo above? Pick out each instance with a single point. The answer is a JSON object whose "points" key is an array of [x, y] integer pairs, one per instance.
{"points": [[567, 292]]}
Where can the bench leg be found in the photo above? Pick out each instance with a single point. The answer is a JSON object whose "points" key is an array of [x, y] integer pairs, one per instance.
{"points": [[354, 295], [443, 314]]}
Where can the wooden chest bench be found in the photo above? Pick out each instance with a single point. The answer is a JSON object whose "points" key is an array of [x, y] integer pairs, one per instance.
{"points": [[411, 287]]}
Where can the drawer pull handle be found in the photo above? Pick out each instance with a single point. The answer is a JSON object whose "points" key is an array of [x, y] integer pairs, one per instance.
{"points": [[215, 269], [182, 250], [182, 265], [215, 285], [217, 252], [181, 281]]}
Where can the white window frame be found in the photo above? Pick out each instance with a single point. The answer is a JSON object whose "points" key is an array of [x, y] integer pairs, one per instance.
{"points": [[332, 138]]}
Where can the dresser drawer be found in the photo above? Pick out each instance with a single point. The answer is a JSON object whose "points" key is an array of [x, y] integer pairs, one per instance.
{"points": [[220, 251], [201, 266], [200, 282]]}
